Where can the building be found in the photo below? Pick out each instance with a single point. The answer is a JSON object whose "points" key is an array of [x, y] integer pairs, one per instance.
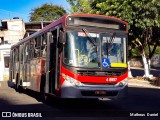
{"points": [[11, 31], [4, 61], [32, 27]]}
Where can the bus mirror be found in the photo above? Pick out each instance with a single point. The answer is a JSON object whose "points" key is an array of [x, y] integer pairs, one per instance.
{"points": [[62, 38]]}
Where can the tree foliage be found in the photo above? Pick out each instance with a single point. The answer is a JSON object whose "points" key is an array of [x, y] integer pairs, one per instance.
{"points": [[143, 17], [80, 6], [47, 12]]}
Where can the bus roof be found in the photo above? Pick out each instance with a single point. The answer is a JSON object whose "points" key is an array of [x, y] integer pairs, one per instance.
{"points": [[63, 21]]}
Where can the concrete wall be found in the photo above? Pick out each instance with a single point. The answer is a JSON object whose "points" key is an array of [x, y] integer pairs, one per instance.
{"points": [[155, 61], [137, 62], [4, 71], [11, 31], [14, 32]]}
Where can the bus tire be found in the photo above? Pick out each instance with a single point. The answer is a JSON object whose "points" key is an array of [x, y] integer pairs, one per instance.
{"points": [[43, 96]]}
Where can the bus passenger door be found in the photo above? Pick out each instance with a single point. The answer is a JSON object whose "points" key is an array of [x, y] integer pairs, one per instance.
{"points": [[25, 71], [11, 72], [21, 54], [52, 60], [48, 67]]}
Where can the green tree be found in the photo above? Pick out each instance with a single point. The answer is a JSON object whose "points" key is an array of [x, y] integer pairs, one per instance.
{"points": [[142, 16], [80, 6], [47, 12], [144, 22]]}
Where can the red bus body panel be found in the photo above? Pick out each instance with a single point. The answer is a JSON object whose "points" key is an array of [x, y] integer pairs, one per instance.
{"points": [[93, 79]]}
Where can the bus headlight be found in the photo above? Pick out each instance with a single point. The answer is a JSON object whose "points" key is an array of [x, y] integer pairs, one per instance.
{"points": [[122, 83], [71, 80]]}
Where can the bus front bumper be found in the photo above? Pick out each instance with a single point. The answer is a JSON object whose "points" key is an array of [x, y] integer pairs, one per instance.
{"points": [[93, 91]]}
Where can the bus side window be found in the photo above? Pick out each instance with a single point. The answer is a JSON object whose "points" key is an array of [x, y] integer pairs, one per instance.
{"points": [[38, 46], [31, 49], [16, 55], [32, 44], [26, 54], [21, 54], [44, 45]]}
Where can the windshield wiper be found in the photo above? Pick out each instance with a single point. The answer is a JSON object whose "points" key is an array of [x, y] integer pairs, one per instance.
{"points": [[89, 36]]}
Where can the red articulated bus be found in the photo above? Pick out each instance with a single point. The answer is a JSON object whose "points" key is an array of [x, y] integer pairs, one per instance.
{"points": [[76, 56]]}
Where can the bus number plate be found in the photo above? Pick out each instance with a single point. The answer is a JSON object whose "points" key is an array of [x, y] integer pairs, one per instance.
{"points": [[100, 92]]}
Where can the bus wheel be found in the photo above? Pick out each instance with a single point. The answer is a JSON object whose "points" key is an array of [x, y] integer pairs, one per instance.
{"points": [[43, 96]]}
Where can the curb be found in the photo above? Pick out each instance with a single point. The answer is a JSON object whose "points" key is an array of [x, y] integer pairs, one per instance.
{"points": [[144, 86], [141, 83]]}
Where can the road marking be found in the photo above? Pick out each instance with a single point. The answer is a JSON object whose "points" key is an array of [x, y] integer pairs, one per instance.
{"points": [[0, 84]]}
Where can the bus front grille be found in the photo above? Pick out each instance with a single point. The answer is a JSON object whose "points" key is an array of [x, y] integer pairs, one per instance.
{"points": [[94, 73]]}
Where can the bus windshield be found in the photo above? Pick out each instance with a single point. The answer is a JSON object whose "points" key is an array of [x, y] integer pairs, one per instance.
{"points": [[79, 51], [114, 47]]}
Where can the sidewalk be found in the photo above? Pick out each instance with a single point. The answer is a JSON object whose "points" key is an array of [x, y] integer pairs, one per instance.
{"points": [[3, 84], [141, 83]]}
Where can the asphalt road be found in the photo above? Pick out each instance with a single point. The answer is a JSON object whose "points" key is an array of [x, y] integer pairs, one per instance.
{"points": [[139, 100]]}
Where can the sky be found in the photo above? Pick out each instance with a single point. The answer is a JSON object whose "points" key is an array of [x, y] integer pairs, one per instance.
{"points": [[22, 8]]}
